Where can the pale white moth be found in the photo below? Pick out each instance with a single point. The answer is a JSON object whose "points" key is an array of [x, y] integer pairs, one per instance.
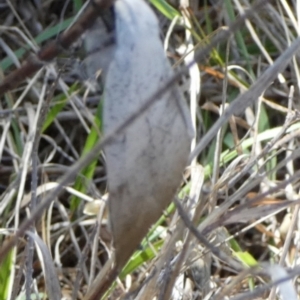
{"points": [[145, 162]]}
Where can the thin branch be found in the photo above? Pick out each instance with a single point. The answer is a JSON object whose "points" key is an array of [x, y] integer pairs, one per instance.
{"points": [[49, 52], [201, 238]]}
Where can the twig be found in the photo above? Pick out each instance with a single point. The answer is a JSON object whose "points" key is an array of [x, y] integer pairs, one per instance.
{"points": [[49, 52], [103, 281], [200, 237]]}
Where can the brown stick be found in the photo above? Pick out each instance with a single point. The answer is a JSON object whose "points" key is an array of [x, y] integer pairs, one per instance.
{"points": [[66, 39], [102, 283]]}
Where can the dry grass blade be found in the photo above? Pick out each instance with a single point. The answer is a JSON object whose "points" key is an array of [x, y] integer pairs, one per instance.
{"points": [[239, 105], [52, 283], [216, 251], [282, 278], [34, 63]]}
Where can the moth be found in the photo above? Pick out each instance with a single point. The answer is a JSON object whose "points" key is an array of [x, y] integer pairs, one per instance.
{"points": [[144, 163]]}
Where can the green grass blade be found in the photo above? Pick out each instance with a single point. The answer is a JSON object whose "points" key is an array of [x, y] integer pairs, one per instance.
{"points": [[166, 9], [44, 36], [246, 258], [77, 5], [239, 37], [15, 130], [88, 172], [139, 258], [6, 275], [60, 102], [229, 155]]}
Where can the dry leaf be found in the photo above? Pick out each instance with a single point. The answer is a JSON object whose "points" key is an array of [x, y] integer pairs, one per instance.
{"points": [[144, 164]]}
